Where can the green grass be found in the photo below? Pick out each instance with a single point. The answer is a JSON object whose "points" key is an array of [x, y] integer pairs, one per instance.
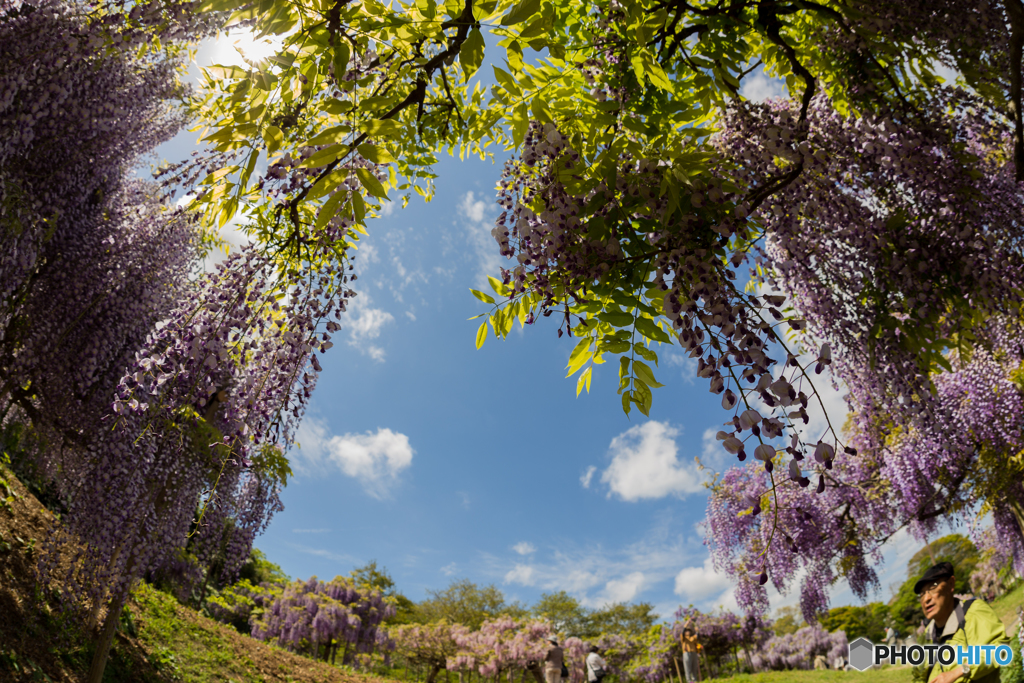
{"points": [[899, 674], [1006, 605], [184, 650]]}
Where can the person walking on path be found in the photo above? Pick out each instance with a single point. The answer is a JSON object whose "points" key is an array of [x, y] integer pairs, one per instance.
{"points": [[890, 636], [958, 623], [596, 666], [691, 663], [553, 662]]}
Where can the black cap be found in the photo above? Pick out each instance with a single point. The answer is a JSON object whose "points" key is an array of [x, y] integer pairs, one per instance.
{"points": [[940, 571]]}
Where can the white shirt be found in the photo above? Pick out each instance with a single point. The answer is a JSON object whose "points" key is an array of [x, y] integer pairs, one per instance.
{"points": [[594, 660]]}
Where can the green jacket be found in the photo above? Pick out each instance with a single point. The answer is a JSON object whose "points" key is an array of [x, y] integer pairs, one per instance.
{"points": [[980, 626]]}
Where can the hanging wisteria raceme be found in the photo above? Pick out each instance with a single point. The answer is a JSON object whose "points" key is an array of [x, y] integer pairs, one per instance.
{"points": [[321, 617], [798, 650], [200, 420], [82, 97], [865, 500], [89, 306]]}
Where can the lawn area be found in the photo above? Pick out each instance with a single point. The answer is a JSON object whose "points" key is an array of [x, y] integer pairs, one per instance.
{"points": [[1006, 605], [897, 674]]}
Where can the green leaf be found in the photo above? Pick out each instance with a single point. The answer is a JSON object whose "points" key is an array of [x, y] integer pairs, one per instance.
{"points": [[626, 407], [377, 155], [647, 328], [642, 397], [330, 209], [481, 334], [383, 127], [324, 156], [584, 381], [486, 298], [507, 82], [218, 71], [358, 207], [370, 182], [472, 53], [497, 285], [610, 345], [579, 356], [329, 136], [645, 353], [273, 137], [328, 183], [616, 318], [644, 373], [341, 57], [520, 12]]}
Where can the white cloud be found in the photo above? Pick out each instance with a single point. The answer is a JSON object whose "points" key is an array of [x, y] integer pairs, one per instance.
{"points": [[759, 87], [364, 324], [464, 499], [598, 576], [374, 458], [587, 476], [696, 584], [479, 223], [524, 548], [624, 589], [449, 569], [644, 464], [521, 574]]}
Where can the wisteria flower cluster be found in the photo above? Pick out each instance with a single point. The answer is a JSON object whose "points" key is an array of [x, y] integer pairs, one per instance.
{"points": [[798, 650], [322, 617]]}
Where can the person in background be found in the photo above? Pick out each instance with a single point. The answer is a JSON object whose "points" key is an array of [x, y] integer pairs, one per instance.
{"points": [[890, 636], [596, 666], [553, 662], [691, 662], [954, 622]]}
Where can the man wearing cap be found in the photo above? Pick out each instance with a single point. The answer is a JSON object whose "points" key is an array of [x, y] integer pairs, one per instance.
{"points": [[971, 622], [553, 662]]}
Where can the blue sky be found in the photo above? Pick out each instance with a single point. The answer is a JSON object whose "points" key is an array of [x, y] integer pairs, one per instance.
{"points": [[442, 462]]}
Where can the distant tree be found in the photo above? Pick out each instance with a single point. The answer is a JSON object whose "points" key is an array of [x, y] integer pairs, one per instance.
{"points": [[627, 619], [566, 614], [463, 602], [956, 549], [858, 620], [258, 569], [787, 620]]}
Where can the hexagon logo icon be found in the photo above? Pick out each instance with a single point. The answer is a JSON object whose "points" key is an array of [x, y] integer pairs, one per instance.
{"points": [[862, 653]]}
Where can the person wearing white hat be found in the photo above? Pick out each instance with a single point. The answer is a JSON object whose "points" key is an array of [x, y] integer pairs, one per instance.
{"points": [[553, 662]]}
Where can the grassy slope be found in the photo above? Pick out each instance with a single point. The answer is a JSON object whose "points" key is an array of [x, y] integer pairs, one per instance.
{"points": [[170, 643], [1006, 605]]}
